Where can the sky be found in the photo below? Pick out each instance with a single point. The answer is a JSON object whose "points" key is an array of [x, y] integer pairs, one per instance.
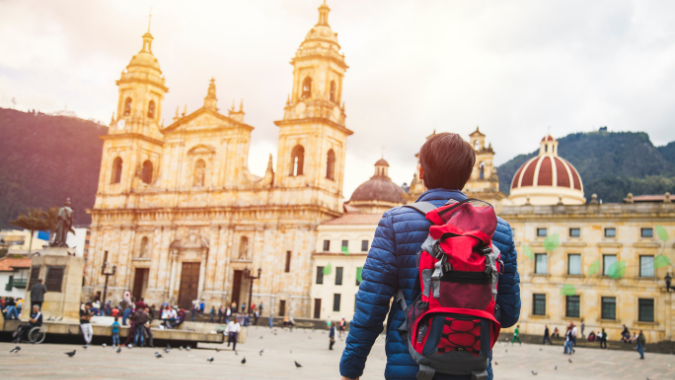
{"points": [[517, 69]]}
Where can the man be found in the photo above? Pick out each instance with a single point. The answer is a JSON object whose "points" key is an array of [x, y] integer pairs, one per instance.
{"points": [[11, 311], [331, 337], [583, 326], [85, 324], [574, 334], [516, 336], [547, 336], [146, 325], [233, 329], [35, 320], [603, 339], [139, 319], [37, 293], [641, 345], [446, 164]]}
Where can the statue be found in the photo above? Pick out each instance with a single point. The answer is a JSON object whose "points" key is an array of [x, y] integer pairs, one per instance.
{"points": [[64, 224]]}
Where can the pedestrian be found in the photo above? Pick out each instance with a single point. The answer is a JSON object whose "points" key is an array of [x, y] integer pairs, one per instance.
{"points": [[516, 335], [260, 308], [625, 335], [446, 163], [115, 332], [85, 324], [583, 326], [568, 341], [271, 320], [37, 293], [556, 333], [641, 345], [603, 339], [140, 318], [546, 336], [35, 320], [256, 315], [668, 278], [331, 337], [220, 314], [243, 307], [213, 314], [343, 326], [201, 307], [233, 329], [11, 312], [574, 335], [193, 313], [228, 313]]}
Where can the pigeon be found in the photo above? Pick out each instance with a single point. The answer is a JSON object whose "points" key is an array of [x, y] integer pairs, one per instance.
{"points": [[496, 363], [291, 351], [541, 349], [243, 361], [167, 350], [297, 365], [506, 350], [569, 360], [104, 345], [15, 350], [236, 352], [70, 354], [187, 348], [85, 346], [209, 360], [556, 368], [260, 336], [180, 348], [119, 349], [60, 319], [217, 349], [158, 355], [261, 351], [534, 373]]}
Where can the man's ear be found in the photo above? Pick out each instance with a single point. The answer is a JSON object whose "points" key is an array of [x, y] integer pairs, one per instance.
{"points": [[421, 172]]}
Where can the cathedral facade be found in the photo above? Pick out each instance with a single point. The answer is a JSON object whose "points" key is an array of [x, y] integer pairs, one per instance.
{"points": [[177, 210]]}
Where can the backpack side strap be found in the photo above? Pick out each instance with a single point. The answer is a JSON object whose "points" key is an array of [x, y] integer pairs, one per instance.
{"points": [[422, 207]]}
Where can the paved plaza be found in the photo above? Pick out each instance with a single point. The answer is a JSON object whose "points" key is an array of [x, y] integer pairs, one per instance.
{"points": [[310, 349]]}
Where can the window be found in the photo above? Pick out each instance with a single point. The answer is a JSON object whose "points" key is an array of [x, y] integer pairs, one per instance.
{"points": [[539, 304], [287, 268], [646, 310], [364, 245], [105, 256], [575, 232], [151, 110], [116, 176], [608, 309], [338, 275], [145, 243], [34, 275], [607, 261], [359, 272], [332, 91], [336, 302], [345, 244], [54, 278], [540, 263], [541, 232], [146, 174], [647, 232], [199, 173], [572, 306], [326, 245], [330, 165], [481, 174], [282, 308], [646, 266], [307, 88], [610, 232], [297, 160], [574, 264], [319, 275], [243, 248], [127, 107]]}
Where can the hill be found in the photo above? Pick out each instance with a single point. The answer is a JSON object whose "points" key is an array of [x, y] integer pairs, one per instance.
{"points": [[611, 164], [44, 160]]}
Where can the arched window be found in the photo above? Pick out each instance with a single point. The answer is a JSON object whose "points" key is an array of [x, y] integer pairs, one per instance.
{"points": [[116, 176], [307, 88], [145, 247], [151, 110], [482, 171], [330, 165], [243, 248], [297, 160], [146, 174], [199, 173], [332, 91], [127, 107], [476, 145]]}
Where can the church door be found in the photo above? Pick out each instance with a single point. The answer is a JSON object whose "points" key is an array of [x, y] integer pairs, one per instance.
{"points": [[317, 308], [189, 285], [236, 287], [140, 282]]}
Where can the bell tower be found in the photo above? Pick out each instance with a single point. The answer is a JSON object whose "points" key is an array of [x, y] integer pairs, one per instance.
{"points": [[313, 134]]}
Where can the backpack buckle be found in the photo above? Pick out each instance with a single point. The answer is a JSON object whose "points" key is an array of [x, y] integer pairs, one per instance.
{"points": [[486, 250], [447, 267], [437, 251]]}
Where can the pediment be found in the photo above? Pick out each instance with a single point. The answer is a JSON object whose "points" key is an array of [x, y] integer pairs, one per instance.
{"points": [[203, 120], [202, 149]]}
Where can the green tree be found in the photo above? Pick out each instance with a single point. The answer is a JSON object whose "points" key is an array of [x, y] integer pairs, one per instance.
{"points": [[33, 220]]}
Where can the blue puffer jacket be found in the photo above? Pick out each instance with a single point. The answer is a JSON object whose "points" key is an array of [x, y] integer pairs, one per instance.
{"points": [[392, 265]]}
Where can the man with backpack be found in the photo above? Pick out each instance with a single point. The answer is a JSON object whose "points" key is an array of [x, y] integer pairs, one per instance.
{"points": [[440, 276]]}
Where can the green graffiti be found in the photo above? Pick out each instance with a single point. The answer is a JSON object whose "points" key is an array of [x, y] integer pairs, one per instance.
{"points": [[359, 273], [661, 261], [594, 268], [345, 250], [527, 251], [551, 243], [327, 269], [663, 234], [617, 270], [568, 290]]}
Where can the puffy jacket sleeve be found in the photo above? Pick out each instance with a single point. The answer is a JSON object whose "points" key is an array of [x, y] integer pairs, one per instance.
{"points": [[379, 283], [508, 291]]}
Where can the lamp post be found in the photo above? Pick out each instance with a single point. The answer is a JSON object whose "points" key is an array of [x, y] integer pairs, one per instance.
{"points": [[107, 274], [247, 274], [668, 278]]}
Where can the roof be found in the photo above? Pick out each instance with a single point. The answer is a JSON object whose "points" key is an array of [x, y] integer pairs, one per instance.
{"points": [[381, 162], [354, 219], [547, 170], [548, 138], [10, 264], [648, 198], [379, 188]]}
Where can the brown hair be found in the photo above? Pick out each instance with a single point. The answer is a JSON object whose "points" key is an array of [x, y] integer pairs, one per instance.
{"points": [[447, 161]]}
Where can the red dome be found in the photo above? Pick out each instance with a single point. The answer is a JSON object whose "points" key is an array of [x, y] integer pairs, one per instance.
{"points": [[547, 170], [548, 138]]}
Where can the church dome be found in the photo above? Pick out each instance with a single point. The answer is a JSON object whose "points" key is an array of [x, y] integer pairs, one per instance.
{"points": [[144, 58], [547, 179], [378, 192]]}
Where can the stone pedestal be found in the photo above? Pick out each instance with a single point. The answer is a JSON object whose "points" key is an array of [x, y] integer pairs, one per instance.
{"points": [[65, 281]]}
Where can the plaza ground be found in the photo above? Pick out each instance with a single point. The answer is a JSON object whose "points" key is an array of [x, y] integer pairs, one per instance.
{"points": [[310, 349]]}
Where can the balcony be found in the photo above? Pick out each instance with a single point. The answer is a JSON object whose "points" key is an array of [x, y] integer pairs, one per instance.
{"points": [[16, 283]]}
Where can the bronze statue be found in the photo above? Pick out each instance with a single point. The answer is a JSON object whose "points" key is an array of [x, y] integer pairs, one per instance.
{"points": [[64, 224]]}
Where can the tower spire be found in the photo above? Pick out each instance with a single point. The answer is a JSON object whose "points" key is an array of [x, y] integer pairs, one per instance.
{"points": [[210, 101], [149, 19], [323, 14]]}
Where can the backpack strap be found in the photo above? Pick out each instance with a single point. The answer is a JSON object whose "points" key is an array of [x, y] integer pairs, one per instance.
{"points": [[422, 207], [425, 372]]}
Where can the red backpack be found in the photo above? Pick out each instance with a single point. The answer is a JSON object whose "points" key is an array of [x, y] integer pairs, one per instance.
{"points": [[453, 324]]}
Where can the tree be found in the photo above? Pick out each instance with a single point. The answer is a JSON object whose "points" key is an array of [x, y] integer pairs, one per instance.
{"points": [[33, 220]]}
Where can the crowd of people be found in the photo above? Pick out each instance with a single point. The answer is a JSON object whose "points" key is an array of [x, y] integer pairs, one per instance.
{"points": [[572, 333], [11, 307]]}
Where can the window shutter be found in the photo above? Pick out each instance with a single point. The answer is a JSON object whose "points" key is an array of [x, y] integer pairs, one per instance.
{"points": [[54, 278]]}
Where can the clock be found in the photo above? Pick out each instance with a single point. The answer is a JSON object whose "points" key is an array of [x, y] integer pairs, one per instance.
{"points": [[120, 124]]}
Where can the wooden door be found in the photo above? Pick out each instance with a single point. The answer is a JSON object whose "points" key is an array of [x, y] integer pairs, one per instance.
{"points": [[140, 282], [236, 287], [282, 308], [317, 308], [189, 285]]}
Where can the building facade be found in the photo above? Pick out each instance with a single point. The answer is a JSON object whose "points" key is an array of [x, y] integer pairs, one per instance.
{"points": [[181, 216]]}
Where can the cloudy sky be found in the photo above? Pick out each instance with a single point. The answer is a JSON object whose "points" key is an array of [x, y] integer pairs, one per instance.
{"points": [[515, 68]]}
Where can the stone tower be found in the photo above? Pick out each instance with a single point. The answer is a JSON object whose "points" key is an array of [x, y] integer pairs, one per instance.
{"points": [[313, 135]]}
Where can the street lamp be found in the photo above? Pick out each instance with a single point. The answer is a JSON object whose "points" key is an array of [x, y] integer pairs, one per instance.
{"points": [[247, 274], [107, 274]]}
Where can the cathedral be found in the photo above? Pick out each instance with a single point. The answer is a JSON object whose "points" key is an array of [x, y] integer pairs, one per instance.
{"points": [[181, 216]]}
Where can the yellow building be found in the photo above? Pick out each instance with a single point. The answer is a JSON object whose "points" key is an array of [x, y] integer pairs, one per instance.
{"points": [[177, 209]]}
